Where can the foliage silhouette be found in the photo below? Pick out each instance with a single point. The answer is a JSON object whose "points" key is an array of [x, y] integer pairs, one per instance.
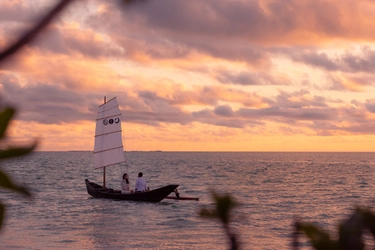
{"points": [[350, 232], [224, 204], [7, 114], [7, 152], [350, 235], [32, 33]]}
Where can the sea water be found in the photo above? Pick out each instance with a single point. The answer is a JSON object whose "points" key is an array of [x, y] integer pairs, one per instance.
{"points": [[272, 188]]}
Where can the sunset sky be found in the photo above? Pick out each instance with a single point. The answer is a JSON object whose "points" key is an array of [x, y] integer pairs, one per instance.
{"points": [[196, 75]]}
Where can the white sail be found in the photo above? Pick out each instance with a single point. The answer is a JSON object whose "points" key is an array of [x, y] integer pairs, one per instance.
{"points": [[108, 149]]}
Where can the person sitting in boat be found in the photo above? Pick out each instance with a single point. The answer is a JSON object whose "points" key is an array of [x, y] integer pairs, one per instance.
{"points": [[140, 183], [125, 185]]}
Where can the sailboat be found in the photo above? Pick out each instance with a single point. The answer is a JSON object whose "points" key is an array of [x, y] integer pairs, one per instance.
{"points": [[109, 151]]}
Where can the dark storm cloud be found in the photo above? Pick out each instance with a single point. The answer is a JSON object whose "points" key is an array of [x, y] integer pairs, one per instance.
{"points": [[151, 109], [47, 104], [282, 109], [59, 105], [289, 109], [362, 61], [156, 103], [252, 20], [311, 114], [319, 60], [166, 29], [370, 105], [67, 41], [223, 110], [206, 95], [232, 30], [154, 118], [249, 78], [219, 117], [300, 99], [16, 12]]}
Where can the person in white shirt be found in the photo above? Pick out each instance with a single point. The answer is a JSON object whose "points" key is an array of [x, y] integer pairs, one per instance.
{"points": [[140, 183]]}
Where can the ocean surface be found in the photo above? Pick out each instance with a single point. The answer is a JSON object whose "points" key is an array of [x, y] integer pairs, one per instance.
{"points": [[273, 189]]}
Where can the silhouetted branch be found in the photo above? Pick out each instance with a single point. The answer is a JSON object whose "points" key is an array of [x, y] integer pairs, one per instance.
{"points": [[29, 36], [295, 235], [32, 33], [224, 204]]}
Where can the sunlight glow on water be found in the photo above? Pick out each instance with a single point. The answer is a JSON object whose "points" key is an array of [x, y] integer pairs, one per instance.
{"points": [[273, 188]]}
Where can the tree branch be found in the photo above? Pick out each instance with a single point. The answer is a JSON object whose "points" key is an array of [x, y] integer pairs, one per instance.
{"points": [[29, 36]]}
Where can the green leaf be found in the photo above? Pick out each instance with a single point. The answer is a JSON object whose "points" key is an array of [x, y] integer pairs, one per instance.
{"points": [[350, 232], [5, 117], [2, 214], [6, 182], [223, 207], [319, 239], [207, 213], [368, 219], [16, 152], [224, 204]]}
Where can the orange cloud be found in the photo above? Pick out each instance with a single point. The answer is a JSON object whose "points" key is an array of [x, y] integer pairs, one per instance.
{"points": [[240, 75]]}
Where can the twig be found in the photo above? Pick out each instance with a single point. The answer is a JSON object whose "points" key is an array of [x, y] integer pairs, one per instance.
{"points": [[32, 33]]}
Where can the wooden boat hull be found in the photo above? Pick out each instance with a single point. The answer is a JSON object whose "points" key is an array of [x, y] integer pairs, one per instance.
{"points": [[182, 198], [155, 195]]}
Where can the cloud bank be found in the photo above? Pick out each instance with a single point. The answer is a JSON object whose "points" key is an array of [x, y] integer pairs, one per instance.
{"points": [[221, 72]]}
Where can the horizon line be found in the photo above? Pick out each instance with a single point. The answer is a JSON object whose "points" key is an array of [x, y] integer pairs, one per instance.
{"points": [[213, 151]]}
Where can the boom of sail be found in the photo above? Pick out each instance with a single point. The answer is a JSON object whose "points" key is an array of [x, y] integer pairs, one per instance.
{"points": [[108, 149]]}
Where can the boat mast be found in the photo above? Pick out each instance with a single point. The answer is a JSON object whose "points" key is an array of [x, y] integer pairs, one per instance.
{"points": [[105, 100]]}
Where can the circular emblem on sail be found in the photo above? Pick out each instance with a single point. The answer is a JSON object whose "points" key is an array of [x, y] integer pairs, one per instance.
{"points": [[105, 121], [117, 120], [111, 121]]}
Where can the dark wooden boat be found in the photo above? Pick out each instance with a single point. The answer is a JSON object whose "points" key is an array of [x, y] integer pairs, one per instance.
{"points": [[155, 195], [109, 150], [182, 198]]}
